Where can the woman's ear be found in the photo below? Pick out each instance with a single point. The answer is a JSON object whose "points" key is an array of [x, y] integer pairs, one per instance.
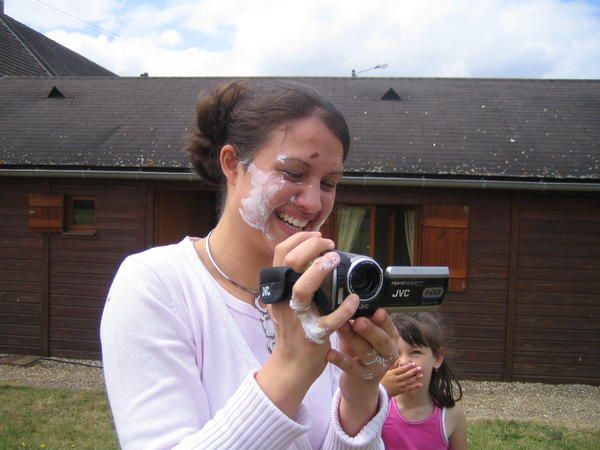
{"points": [[228, 159], [439, 358]]}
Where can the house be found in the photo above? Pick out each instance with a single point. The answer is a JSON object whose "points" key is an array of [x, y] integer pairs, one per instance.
{"points": [[24, 51], [496, 178]]}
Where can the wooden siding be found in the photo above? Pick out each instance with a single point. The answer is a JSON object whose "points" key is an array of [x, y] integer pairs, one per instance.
{"points": [[22, 266], [529, 313], [557, 326], [82, 267]]}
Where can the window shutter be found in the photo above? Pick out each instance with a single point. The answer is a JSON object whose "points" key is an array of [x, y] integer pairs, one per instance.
{"points": [[445, 241], [46, 212]]}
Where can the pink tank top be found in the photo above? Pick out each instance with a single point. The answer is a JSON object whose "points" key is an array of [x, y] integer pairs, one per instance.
{"points": [[401, 434]]}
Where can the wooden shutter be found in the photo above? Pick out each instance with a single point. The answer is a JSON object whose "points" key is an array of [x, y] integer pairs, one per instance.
{"points": [[445, 241], [46, 212]]}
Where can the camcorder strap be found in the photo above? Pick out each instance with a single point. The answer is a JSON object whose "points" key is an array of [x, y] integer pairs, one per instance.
{"points": [[276, 286]]}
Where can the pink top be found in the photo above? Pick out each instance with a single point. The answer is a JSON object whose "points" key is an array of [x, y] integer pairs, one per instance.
{"points": [[401, 434]]}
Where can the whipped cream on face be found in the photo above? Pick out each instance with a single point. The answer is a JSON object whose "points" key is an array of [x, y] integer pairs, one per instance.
{"points": [[256, 207]]}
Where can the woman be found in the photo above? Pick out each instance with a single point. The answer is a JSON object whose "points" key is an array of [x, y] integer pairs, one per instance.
{"points": [[192, 358]]}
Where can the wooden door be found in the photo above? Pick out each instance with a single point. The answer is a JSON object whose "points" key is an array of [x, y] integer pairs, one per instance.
{"points": [[181, 213]]}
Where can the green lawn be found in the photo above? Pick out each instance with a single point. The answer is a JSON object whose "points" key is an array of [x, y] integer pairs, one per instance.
{"points": [[33, 418], [54, 419], [502, 434]]}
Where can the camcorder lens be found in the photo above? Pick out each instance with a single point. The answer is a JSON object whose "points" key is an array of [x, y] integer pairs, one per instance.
{"points": [[364, 279]]}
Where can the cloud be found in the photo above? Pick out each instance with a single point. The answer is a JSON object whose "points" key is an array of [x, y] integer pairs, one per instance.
{"points": [[490, 38]]}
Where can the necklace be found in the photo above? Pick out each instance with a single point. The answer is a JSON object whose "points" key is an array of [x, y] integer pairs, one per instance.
{"points": [[265, 319], [223, 274]]}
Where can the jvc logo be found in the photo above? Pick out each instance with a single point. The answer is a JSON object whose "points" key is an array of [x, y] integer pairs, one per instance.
{"points": [[401, 293], [266, 291]]}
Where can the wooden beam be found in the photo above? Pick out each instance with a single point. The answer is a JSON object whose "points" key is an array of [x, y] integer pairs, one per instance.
{"points": [[45, 288], [513, 272]]}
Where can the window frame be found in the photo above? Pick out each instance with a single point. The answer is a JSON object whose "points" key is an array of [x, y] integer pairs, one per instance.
{"points": [[72, 228], [391, 224]]}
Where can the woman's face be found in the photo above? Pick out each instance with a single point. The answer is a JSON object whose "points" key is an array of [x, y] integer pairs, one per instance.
{"points": [[290, 185]]}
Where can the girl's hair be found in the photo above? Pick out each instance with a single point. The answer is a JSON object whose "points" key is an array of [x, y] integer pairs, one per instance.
{"points": [[424, 330], [243, 114]]}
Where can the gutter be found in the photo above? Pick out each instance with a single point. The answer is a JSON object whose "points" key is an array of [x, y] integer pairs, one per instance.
{"points": [[421, 182], [425, 182], [137, 175]]}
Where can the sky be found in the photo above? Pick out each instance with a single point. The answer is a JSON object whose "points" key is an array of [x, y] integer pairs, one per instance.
{"points": [[409, 38]]}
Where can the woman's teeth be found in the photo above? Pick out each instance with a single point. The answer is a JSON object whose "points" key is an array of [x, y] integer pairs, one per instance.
{"points": [[296, 223]]}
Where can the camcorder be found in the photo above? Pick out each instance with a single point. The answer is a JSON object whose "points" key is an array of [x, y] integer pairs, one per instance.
{"points": [[397, 288]]}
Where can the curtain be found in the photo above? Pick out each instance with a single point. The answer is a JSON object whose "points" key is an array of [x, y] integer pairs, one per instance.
{"points": [[409, 232], [349, 222]]}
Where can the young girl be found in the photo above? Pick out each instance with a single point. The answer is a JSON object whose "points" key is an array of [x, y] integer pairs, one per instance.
{"points": [[423, 391]]}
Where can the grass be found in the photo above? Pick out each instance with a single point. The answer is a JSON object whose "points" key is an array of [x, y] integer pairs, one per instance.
{"points": [[32, 418], [54, 419], [503, 434]]}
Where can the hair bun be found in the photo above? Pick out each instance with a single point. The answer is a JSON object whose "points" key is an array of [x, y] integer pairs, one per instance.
{"points": [[213, 115]]}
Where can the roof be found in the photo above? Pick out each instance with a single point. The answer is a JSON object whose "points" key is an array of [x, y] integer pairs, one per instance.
{"points": [[24, 51], [490, 128]]}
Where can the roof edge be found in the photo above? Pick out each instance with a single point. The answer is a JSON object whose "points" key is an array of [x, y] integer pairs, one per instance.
{"points": [[34, 54], [466, 183], [421, 182]]}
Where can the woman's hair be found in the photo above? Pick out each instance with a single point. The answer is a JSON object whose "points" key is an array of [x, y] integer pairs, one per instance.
{"points": [[243, 114], [424, 330]]}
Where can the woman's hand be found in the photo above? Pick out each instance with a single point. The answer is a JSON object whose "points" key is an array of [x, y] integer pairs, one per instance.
{"points": [[301, 334], [401, 379], [368, 348]]}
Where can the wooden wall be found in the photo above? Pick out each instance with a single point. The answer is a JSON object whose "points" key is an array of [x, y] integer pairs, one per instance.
{"points": [[530, 310], [23, 268], [557, 326], [54, 284], [82, 267]]}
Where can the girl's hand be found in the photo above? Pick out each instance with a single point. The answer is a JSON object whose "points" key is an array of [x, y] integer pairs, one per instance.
{"points": [[301, 334], [401, 379], [368, 348]]}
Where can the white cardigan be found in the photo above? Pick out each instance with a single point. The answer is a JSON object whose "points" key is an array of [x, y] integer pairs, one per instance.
{"points": [[180, 355]]}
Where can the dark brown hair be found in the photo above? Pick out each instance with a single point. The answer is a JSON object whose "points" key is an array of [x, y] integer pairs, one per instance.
{"points": [[243, 114], [424, 330]]}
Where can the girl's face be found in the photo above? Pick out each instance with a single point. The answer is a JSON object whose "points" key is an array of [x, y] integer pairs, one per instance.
{"points": [[290, 185], [422, 357]]}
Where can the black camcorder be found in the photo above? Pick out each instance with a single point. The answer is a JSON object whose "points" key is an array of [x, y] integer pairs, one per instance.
{"points": [[397, 289]]}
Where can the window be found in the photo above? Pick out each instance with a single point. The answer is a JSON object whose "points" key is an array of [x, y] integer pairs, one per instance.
{"points": [[353, 231], [386, 233], [429, 235], [80, 214]]}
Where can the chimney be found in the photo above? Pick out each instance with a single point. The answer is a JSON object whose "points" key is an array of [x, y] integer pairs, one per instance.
{"points": [[1, 7]]}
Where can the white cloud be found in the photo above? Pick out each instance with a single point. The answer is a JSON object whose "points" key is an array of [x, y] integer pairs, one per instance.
{"points": [[501, 38]]}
